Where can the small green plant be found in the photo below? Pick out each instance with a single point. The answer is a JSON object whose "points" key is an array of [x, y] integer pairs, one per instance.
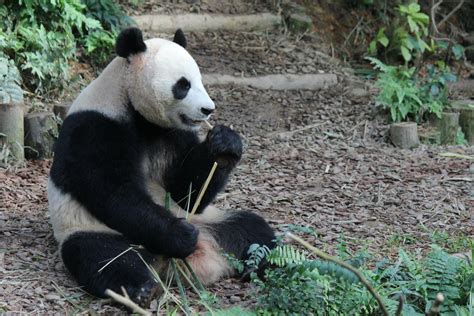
{"points": [[408, 36], [408, 95], [399, 92], [299, 285], [42, 37]]}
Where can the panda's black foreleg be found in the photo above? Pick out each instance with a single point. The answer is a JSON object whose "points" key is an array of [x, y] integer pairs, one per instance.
{"points": [[222, 145], [85, 253]]}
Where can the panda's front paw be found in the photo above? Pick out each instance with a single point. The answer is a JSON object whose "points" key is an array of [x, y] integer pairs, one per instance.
{"points": [[181, 239], [225, 145]]}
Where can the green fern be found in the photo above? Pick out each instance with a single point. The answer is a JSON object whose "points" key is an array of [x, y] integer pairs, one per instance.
{"points": [[286, 254], [256, 254], [442, 276]]}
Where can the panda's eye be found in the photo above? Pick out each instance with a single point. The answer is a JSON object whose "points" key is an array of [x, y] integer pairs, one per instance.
{"points": [[181, 88]]}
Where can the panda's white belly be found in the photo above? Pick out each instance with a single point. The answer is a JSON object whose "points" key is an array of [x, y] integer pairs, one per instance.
{"points": [[68, 216]]}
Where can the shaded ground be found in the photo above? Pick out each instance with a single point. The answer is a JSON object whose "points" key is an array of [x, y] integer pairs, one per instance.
{"points": [[316, 159]]}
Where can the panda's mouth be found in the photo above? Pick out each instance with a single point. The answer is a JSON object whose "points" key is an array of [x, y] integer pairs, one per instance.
{"points": [[187, 121]]}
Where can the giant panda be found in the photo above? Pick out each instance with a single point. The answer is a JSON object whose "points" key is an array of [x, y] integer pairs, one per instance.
{"points": [[130, 137]]}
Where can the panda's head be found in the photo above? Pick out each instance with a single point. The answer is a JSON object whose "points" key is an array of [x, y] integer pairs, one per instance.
{"points": [[163, 82]]}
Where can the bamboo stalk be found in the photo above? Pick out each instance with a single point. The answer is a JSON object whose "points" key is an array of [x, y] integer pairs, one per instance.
{"points": [[203, 190], [127, 302], [327, 257]]}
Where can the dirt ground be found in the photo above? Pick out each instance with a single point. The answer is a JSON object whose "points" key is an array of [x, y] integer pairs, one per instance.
{"points": [[312, 158]]}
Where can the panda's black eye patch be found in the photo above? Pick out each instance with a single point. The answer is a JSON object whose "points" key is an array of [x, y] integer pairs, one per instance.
{"points": [[181, 88]]}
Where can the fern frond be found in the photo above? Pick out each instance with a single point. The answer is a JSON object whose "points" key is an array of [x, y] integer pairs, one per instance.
{"points": [[286, 254], [442, 273]]}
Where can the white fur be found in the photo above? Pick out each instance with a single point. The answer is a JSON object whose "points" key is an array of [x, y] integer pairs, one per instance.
{"points": [[106, 94], [147, 82], [166, 62], [68, 216]]}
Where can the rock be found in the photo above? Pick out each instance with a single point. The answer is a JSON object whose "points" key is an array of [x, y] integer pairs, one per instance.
{"points": [[235, 299], [298, 22], [469, 52], [469, 39], [359, 95]]}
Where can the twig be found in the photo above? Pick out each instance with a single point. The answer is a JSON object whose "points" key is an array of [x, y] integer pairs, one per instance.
{"points": [[459, 179], [400, 306], [115, 258], [436, 306], [434, 7], [327, 257], [203, 190], [126, 302], [208, 124], [461, 2], [455, 155], [353, 30]]}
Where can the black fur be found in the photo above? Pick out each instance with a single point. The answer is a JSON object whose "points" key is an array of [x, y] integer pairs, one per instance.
{"points": [[179, 38], [98, 161], [85, 253], [180, 88], [130, 42], [242, 229], [194, 162]]}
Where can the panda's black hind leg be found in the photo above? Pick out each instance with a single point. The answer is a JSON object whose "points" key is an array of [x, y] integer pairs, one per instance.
{"points": [[85, 253]]}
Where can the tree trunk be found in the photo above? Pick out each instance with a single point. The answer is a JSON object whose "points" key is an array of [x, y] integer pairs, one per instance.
{"points": [[404, 135], [12, 131], [466, 121], [41, 130], [449, 127]]}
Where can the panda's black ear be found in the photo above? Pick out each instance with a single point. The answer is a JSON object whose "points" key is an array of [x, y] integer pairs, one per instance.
{"points": [[129, 42], [179, 38]]}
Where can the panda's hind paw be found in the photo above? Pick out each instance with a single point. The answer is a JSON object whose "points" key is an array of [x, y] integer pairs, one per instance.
{"points": [[144, 294]]}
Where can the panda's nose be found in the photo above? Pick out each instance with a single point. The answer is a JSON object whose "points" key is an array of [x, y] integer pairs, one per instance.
{"points": [[206, 111]]}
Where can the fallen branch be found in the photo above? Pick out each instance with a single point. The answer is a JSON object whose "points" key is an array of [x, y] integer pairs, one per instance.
{"points": [[126, 301], [327, 257], [455, 155]]}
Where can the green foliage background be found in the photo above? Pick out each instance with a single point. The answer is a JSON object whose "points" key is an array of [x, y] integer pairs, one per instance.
{"points": [[43, 36]]}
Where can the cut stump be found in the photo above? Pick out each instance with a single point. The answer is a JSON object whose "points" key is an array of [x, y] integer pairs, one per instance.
{"points": [[404, 135], [60, 110], [12, 131], [449, 125], [41, 131], [466, 121]]}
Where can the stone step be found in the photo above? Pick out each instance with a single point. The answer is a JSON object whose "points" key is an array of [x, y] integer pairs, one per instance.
{"points": [[207, 22], [275, 82]]}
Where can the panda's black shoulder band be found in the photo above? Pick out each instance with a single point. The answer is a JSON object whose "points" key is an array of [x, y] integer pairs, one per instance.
{"points": [[129, 42]]}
